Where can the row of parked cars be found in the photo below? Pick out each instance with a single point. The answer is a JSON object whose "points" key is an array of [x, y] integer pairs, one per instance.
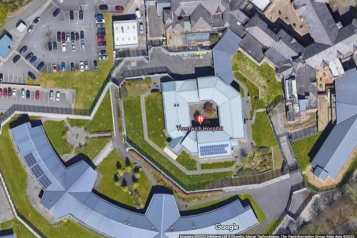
{"points": [[12, 92], [100, 25], [63, 38], [29, 57], [82, 66]]}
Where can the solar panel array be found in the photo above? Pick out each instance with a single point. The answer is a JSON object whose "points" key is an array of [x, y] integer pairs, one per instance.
{"points": [[213, 149], [36, 171], [30, 160]]}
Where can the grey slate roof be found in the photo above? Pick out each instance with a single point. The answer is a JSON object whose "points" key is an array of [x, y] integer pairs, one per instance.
{"points": [[8, 236], [318, 19], [74, 197], [342, 140], [252, 47], [223, 53], [260, 31]]}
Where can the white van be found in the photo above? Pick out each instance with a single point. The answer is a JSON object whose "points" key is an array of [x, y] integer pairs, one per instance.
{"points": [[138, 14], [63, 47]]}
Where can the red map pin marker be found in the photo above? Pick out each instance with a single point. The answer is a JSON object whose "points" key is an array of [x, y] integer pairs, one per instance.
{"points": [[200, 119]]}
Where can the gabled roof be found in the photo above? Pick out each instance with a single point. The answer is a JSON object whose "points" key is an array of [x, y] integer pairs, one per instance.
{"points": [[260, 31], [342, 140]]}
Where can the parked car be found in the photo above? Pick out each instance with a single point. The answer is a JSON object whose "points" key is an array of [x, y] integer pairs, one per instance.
{"points": [[99, 25], [138, 14], [58, 36], [103, 57], [54, 68], [141, 28], [31, 75], [101, 30], [80, 16], [103, 7], [49, 44], [77, 36], [102, 52], [9, 92], [63, 66], [86, 66], [119, 9], [30, 29], [23, 50], [99, 16], [1, 77], [23, 93], [58, 96], [100, 39], [13, 92], [15, 59], [71, 15], [5, 92], [0, 91], [82, 45], [33, 59], [68, 36], [95, 65], [72, 66], [51, 95], [72, 36], [54, 45], [81, 66], [29, 56], [63, 36], [102, 43], [73, 46], [56, 12], [36, 21], [40, 65], [37, 95], [82, 34], [28, 94], [64, 47], [100, 34], [100, 21]]}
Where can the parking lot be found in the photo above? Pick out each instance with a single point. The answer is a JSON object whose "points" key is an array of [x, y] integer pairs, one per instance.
{"points": [[66, 99]]}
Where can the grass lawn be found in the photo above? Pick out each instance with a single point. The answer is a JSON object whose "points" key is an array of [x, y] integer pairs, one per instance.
{"points": [[263, 134], [205, 204], [86, 84], [56, 132], [4, 8], [262, 76], [253, 92], [18, 228], [272, 226], [257, 210], [134, 130], [93, 147], [155, 119], [218, 165], [135, 87], [107, 187], [302, 149], [102, 120], [186, 161], [10, 165]]}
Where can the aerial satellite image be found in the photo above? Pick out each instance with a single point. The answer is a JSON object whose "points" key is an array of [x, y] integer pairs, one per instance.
{"points": [[178, 118]]}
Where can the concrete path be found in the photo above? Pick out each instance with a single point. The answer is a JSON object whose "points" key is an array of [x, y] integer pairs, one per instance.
{"points": [[5, 211], [103, 153]]}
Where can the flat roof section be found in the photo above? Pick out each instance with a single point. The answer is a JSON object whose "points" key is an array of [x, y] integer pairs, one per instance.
{"points": [[5, 42], [125, 34]]}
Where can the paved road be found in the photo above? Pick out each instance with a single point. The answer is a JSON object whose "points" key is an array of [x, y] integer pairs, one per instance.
{"points": [[5, 211]]}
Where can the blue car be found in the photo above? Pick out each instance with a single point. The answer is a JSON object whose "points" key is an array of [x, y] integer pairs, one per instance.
{"points": [[63, 66], [33, 59], [99, 16], [40, 65]]}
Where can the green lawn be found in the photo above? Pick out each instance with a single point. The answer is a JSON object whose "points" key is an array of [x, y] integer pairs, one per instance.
{"points": [[93, 147], [107, 187], [10, 164], [186, 161], [135, 87], [155, 119], [263, 76], [302, 149], [134, 130], [263, 134], [218, 165], [253, 92], [86, 84], [56, 132], [18, 228], [102, 120], [257, 210], [205, 204], [4, 8]]}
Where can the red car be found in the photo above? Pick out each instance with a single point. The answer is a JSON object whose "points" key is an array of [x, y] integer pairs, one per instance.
{"points": [[100, 39], [37, 95], [5, 92], [0, 91], [119, 8], [63, 36]]}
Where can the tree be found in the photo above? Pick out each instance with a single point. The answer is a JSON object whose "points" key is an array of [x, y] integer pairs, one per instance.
{"points": [[351, 190], [120, 172], [117, 183], [136, 185], [124, 183], [118, 165], [125, 189], [137, 175], [127, 162]]}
